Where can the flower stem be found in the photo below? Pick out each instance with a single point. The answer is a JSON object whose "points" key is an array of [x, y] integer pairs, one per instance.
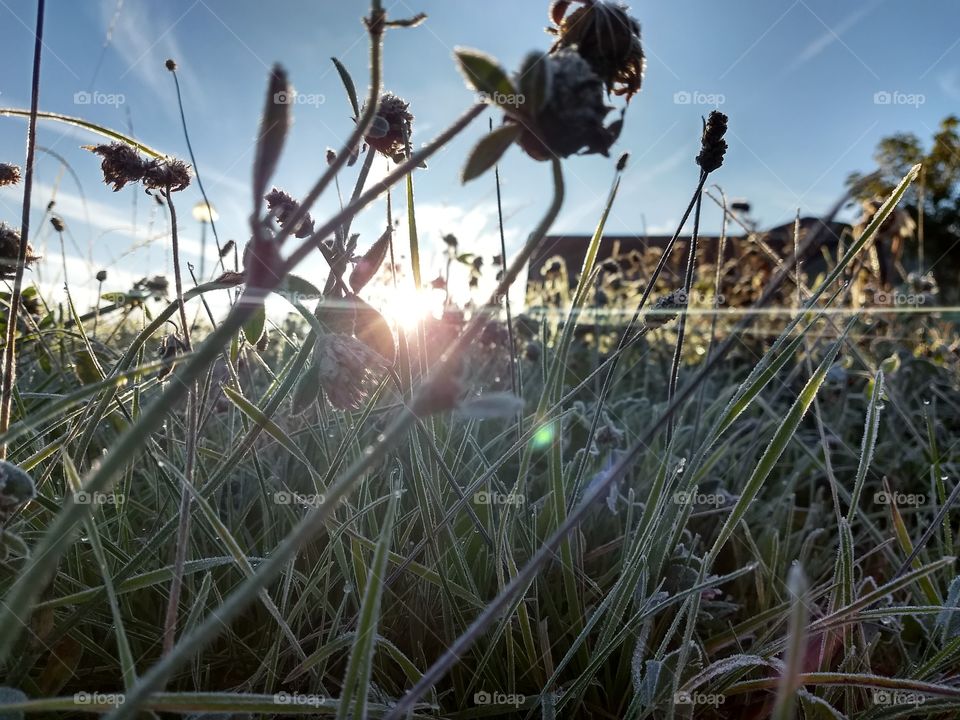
{"points": [[190, 449], [9, 350]]}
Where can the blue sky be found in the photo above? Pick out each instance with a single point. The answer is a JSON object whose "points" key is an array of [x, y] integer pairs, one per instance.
{"points": [[799, 79]]}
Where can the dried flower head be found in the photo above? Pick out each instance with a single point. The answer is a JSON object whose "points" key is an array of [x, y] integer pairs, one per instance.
{"points": [[157, 285], [9, 174], [282, 206], [16, 488], [57, 224], [168, 174], [712, 146], [392, 128], [171, 346], [10, 252], [101, 276], [607, 37], [346, 369], [227, 248], [121, 164], [171, 64], [572, 116], [665, 309]]}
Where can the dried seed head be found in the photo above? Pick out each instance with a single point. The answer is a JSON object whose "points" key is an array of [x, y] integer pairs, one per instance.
{"points": [[712, 145], [9, 174], [57, 224], [121, 164], [167, 174], [331, 156], [440, 393], [607, 37], [282, 206], [10, 252], [533, 351], [665, 309], [158, 285], [16, 488], [170, 64], [392, 128], [227, 248], [608, 435], [170, 347], [346, 369], [102, 276], [572, 117]]}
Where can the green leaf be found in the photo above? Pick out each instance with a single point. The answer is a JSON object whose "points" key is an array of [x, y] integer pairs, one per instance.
{"points": [[485, 75], [359, 669], [348, 85], [295, 289], [867, 444], [781, 438], [254, 327], [534, 82], [489, 150], [307, 390]]}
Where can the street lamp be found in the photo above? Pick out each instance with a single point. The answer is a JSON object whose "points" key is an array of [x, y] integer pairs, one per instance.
{"points": [[204, 213]]}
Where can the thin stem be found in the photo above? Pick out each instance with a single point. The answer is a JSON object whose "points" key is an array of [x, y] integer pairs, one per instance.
{"points": [[196, 171], [9, 350], [682, 322], [628, 337], [190, 447], [515, 380]]}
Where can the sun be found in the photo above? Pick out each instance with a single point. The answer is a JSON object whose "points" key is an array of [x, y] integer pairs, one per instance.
{"points": [[405, 307]]}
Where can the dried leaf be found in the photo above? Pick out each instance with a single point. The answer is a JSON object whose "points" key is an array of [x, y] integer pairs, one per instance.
{"points": [[273, 131], [370, 263]]}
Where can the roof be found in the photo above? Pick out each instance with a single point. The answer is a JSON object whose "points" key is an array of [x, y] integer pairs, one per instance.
{"points": [[572, 249]]}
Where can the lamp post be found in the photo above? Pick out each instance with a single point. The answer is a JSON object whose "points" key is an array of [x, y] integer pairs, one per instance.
{"points": [[204, 213]]}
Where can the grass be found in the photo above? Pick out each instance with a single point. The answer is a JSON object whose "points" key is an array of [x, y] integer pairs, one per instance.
{"points": [[700, 517]]}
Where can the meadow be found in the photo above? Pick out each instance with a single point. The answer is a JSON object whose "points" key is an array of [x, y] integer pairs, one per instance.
{"points": [[735, 502]]}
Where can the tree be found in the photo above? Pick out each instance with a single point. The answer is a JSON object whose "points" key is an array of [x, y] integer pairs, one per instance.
{"points": [[934, 201]]}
